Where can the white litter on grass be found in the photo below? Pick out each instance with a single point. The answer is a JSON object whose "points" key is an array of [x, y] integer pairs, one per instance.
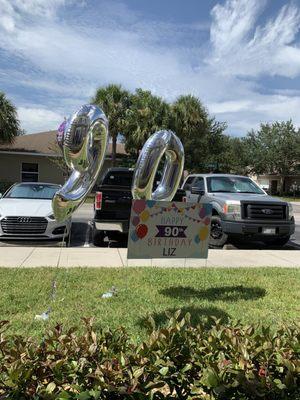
{"points": [[43, 317], [112, 292]]}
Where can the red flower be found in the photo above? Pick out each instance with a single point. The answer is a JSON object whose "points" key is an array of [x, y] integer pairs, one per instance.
{"points": [[226, 362], [262, 372]]}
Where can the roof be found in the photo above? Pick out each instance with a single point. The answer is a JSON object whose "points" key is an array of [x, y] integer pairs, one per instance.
{"points": [[43, 143], [209, 175]]}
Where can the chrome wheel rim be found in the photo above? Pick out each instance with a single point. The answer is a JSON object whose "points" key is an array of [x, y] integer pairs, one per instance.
{"points": [[216, 231]]}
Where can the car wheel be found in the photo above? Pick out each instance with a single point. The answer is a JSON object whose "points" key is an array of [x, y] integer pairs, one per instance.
{"points": [[281, 241], [98, 238], [217, 237]]}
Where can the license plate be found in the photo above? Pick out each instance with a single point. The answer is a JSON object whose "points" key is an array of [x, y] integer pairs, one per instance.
{"points": [[269, 231]]}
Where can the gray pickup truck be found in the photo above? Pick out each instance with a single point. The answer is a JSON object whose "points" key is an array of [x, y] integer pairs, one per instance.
{"points": [[241, 209]]}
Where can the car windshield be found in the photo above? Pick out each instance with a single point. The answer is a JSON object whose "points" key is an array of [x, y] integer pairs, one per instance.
{"points": [[232, 184], [118, 178], [32, 191], [125, 179]]}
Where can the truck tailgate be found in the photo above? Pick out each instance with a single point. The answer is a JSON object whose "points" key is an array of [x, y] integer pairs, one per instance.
{"points": [[116, 203]]}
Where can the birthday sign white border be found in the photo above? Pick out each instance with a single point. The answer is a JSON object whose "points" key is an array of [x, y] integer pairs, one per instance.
{"points": [[149, 218]]}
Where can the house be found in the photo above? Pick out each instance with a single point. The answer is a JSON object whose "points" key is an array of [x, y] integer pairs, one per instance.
{"points": [[274, 184], [36, 158]]}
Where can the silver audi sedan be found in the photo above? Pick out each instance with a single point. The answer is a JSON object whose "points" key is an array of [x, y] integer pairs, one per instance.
{"points": [[26, 213]]}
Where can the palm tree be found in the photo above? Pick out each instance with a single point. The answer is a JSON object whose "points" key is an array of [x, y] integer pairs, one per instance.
{"points": [[114, 101], [188, 116], [9, 123], [200, 134], [147, 114]]}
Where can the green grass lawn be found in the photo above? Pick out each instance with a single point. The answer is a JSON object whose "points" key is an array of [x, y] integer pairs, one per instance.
{"points": [[270, 295], [90, 199]]}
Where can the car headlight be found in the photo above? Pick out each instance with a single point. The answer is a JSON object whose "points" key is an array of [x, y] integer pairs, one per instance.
{"points": [[291, 211], [51, 216], [232, 210]]}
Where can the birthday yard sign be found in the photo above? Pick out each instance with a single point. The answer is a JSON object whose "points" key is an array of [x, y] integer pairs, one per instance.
{"points": [[160, 229]]}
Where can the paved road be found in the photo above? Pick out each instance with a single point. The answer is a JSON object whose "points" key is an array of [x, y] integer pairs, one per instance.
{"points": [[82, 234]]}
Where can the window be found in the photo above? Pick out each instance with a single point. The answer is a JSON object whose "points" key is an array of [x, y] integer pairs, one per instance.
{"points": [[199, 183], [188, 183], [32, 191], [118, 178], [232, 184], [30, 172]]}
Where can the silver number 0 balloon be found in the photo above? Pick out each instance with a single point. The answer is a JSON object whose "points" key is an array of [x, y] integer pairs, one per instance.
{"points": [[159, 144], [85, 140]]}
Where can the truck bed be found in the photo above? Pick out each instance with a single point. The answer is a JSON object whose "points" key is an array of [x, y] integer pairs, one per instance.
{"points": [[116, 203]]}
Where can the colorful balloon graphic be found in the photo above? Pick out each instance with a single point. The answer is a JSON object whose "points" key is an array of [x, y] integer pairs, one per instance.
{"points": [[134, 236], [139, 206], [202, 212], [203, 233], [207, 221], [144, 215], [135, 220], [141, 231], [197, 239]]}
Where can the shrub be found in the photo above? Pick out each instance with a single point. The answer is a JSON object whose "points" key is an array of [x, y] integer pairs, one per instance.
{"points": [[177, 362]]}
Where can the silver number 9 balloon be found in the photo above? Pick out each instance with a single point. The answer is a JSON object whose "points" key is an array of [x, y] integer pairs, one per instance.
{"points": [[84, 144], [159, 144]]}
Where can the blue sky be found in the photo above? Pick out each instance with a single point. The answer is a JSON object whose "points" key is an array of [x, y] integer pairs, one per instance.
{"points": [[241, 57]]}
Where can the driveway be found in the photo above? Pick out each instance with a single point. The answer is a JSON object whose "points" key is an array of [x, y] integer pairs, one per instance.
{"points": [[81, 235]]}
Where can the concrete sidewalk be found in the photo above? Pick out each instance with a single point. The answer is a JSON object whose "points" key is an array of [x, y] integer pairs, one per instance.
{"points": [[23, 257]]}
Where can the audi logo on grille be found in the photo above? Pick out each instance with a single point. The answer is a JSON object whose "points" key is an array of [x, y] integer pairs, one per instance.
{"points": [[24, 219], [267, 211]]}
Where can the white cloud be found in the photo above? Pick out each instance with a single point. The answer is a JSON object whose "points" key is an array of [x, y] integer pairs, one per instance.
{"points": [[232, 23], [67, 59], [248, 114], [38, 119], [229, 106], [242, 48], [11, 12]]}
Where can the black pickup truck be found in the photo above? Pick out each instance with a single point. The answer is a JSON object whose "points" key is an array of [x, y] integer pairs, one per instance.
{"points": [[112, 204]]}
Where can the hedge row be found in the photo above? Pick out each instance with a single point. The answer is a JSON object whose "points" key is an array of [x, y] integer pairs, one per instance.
{"points": [[177, 362]]}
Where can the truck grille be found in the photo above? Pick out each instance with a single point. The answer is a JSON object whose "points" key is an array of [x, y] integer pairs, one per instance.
{"points": [[264, 211], [23, 225]]}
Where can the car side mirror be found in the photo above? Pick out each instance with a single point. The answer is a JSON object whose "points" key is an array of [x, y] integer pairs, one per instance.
{"points": [[196, 190]]}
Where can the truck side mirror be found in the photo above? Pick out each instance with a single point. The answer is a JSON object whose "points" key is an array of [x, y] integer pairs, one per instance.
{"points": [[196, 190]]}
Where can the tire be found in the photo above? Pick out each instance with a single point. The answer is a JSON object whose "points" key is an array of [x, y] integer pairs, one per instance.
{"points": [[281, 241], [217, 237], [98, 238]]}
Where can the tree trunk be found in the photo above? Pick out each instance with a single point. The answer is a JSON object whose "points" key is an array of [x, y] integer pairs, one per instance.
{"points": [[282, 184], [114, 150]]}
